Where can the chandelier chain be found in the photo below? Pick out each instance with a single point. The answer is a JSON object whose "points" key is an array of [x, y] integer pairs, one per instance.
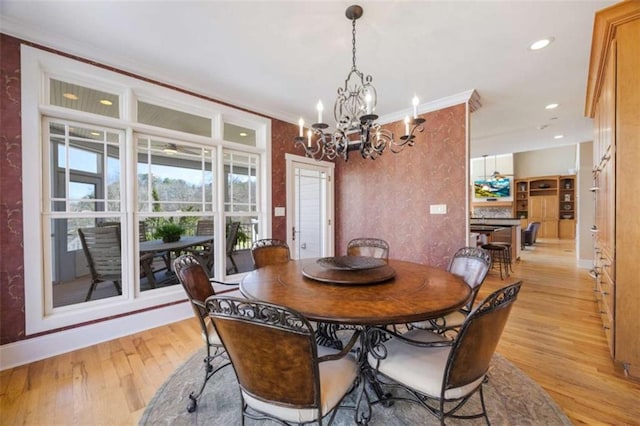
{"points": [[353, 44]]}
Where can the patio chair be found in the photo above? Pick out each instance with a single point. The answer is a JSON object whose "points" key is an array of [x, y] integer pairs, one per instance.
{"points": [[282, 373], [371, 247], [231, 241], [197, 285], [269, 251], [204, 253], [101, 247], [442, 375]]}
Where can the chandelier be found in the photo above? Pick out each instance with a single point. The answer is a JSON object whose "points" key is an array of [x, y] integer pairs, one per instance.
{"points": [[356, 126]]}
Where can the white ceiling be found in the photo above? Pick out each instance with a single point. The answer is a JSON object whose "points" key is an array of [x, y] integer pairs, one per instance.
{"points": [[279, 58]]}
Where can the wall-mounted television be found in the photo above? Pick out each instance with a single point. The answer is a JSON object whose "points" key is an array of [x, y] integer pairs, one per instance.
{"points": [[493, 189]]}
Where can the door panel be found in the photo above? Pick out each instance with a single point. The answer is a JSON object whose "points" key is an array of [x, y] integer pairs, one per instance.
{"points": [[310, 200]]}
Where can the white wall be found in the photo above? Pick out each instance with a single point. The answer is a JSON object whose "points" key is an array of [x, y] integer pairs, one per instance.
{"points": [[586, 217], [546, 162], [502, 163]]}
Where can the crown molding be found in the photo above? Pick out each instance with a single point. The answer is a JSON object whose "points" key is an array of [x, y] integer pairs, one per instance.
{"points": [[470, 96]]}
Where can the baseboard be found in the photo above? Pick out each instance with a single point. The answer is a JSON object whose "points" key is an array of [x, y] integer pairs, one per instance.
{"points": [[41, 347]]}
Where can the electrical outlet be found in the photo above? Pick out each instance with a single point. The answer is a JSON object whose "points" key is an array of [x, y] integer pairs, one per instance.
{"points": [[438, 209]]}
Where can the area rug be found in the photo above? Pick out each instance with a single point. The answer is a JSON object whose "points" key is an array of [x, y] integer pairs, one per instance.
{"points": [[512, 398]]}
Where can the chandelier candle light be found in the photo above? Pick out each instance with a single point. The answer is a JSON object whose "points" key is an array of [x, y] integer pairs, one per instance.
{"points": [[356, 126]]}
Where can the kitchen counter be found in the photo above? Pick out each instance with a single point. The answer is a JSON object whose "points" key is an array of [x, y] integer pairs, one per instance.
{"points": [[506, 230], [497, 221]]}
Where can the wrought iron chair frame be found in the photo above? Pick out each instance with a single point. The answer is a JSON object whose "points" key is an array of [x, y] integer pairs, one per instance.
{"points": [[269, 251], [180, 265], [496, 301], [274, 317], [355, 245], [474, 282]]}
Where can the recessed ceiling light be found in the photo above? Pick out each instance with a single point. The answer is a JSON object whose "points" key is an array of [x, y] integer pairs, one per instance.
{"points": [[106, 102], [243, 134], [551, 106], [70, 96], [558, 136], [95, 134], [541, 44]]}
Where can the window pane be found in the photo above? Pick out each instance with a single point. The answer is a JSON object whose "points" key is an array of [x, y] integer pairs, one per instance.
{"points": [[241, 233], [84, 169], [243, 135], [241, 179], [167, 118], [73, 269], [85, 99], [174, 177]]}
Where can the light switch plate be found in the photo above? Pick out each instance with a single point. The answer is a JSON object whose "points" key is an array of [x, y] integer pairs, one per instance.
{"points": [[438, 209]]}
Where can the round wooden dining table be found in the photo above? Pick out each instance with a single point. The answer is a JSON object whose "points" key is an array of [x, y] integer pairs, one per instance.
{"points": [[414, 293]]}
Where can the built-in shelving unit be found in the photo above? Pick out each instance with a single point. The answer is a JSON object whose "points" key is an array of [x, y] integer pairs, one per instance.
{"points": [[550, 200]]}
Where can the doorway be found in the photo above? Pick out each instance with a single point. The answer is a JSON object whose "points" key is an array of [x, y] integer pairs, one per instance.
{"points": [[310, 195]]}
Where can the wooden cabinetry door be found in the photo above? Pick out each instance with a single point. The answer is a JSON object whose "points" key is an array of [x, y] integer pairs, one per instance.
{"points": [[544, 209]]}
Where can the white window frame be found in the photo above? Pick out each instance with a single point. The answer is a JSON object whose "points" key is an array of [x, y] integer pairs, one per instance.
{"points": [[36, 68]]}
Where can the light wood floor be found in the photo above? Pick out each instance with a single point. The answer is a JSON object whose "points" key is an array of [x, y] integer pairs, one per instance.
{"points": [[554, 335]]}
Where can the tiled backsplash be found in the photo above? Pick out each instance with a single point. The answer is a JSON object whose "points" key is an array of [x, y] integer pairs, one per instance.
{"points": [[492, 212]]}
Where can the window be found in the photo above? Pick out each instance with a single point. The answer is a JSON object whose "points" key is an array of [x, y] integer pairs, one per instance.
{"points": [[84, 178], [75, 96], [109, 178]]}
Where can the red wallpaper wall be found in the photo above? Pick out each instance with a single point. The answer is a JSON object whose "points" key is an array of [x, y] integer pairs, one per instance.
{"points": [[11, 254], [389, 198]]}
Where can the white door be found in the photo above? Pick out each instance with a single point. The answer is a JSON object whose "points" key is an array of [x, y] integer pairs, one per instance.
{"points": [[310, 229]]}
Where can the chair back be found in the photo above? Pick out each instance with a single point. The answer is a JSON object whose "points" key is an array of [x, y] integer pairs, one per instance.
{"points": [[478, 337], [272, 350], [472, 264], [196, 284], [232, 237], [371, 247], [269, 251], [204, 227], [530, 233], [101, 247]]}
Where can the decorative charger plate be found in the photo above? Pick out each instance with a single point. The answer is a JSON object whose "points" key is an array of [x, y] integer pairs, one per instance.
{"points": [[351, 270], [350, 263]]}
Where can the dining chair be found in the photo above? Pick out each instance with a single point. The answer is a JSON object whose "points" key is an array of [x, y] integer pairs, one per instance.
{"points": [[198, 286], [371, 247], [101, 247], [283, 374], [472, 264], [442, 375], [269, 251]]}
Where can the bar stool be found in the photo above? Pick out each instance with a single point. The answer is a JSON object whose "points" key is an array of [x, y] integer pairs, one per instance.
{"points": [[498, 255], [508, 253]]}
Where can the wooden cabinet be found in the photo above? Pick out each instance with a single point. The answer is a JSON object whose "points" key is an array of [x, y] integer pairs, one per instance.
{"points": [[613, 97], [544, 209]]}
